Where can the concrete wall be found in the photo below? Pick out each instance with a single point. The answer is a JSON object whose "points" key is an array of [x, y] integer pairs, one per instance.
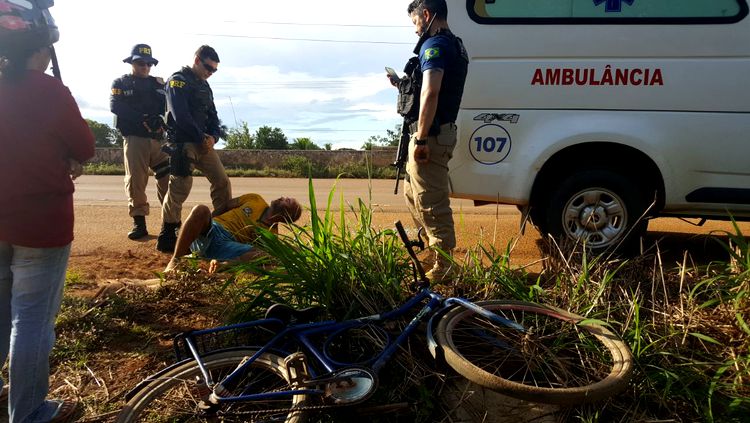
{"points": [[259, 159]]}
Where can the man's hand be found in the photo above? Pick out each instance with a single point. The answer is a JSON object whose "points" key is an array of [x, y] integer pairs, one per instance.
{"points": [[422, 154], [393, 81], [76, 169], [208, 143]]}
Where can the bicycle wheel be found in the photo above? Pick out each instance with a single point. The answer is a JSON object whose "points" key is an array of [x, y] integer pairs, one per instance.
{"points": [[558, 360], [176, 395]]}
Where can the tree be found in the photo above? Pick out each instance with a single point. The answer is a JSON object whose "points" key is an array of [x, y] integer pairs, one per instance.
{"points": [[267, 138], [303, 144], [328, 146], [105, 135], [391, 139], [373, 141], [239, 138], [393, 136]]}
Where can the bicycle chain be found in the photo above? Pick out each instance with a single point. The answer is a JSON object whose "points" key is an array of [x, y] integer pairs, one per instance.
{"points": [[285, 410]]}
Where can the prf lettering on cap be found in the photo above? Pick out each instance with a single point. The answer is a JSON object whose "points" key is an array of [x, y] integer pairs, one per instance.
{"points": [[144, 50]]}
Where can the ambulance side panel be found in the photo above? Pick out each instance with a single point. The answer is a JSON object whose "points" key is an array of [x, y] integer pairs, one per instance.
{"points": [[667, 104]]}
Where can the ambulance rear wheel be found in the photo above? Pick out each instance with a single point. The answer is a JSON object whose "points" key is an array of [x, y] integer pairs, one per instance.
{"points": [[599, 208]]}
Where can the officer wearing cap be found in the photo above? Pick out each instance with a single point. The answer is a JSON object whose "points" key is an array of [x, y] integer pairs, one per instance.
{"points": [[138, 101], [194, 128]]}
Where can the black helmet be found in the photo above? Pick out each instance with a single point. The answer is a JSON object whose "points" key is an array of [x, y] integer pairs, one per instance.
{"points": [[26, 25]]}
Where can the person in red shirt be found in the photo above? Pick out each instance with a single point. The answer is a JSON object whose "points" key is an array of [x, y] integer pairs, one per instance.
{"points": [[43, 140]]}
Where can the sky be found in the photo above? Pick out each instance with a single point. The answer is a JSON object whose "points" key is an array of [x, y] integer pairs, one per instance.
{"points": [[312, 68]]}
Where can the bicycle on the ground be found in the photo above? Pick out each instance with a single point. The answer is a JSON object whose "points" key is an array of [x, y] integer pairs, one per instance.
{"points": [[287, 365]]}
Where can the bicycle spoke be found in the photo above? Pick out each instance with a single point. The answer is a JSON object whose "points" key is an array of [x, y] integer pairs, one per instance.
{"points": [[553, 353]]}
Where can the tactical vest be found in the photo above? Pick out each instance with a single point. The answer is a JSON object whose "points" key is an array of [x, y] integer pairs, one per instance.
{"points": [[148, 98], [409, 90], [200, 101]]}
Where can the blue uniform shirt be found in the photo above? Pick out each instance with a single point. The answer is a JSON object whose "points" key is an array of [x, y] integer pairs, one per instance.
{"points": [[445, 51], [433, 53]]}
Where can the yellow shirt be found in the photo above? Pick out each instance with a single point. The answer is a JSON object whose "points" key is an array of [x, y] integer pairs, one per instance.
{"points": [[242, 221]]}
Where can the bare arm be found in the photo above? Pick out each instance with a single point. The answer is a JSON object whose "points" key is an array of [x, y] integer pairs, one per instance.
{"points": [[432, 81]]}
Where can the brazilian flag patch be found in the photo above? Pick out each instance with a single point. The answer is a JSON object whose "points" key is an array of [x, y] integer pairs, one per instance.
{"points": [[432, 53]]}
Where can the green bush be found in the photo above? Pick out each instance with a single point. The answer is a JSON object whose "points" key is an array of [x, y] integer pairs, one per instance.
{"points": [[329, 262]]}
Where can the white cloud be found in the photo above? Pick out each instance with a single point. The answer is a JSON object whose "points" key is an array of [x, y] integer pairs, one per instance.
{"points": [[336, 91]]}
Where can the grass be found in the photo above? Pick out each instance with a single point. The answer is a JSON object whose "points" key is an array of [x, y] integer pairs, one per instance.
{"points": [[329, 262]]}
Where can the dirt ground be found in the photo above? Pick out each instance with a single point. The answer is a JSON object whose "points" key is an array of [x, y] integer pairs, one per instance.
{"points": [[104, 261]]}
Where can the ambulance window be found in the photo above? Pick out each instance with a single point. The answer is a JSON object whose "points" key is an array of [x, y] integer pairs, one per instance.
{"points": [[606, 11]]}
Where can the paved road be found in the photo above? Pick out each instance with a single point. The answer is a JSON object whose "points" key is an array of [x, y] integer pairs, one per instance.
{"points": [[102, 220]]}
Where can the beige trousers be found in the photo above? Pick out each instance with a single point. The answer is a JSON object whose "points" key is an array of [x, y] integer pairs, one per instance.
{"points": [[179, 186], [427, 189], [140, 154]]}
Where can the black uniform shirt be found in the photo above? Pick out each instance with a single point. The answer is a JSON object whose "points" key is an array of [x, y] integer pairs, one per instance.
{"points": [[134, 98], [190, 103]]}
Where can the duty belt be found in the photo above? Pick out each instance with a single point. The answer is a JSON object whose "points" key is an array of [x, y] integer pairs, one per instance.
{"points": [[414, 126]]}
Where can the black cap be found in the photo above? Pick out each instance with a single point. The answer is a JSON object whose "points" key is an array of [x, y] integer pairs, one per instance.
{"points": [[141, 52]]}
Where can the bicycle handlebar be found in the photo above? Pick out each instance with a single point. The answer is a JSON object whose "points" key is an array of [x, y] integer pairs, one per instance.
{"points": [[420, 279]]}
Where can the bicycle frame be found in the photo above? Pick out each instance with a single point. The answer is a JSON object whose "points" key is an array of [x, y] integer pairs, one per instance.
{"points": [[323, 365]]}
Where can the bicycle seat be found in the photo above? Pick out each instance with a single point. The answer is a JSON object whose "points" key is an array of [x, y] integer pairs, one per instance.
{"points": [[289, 315]]}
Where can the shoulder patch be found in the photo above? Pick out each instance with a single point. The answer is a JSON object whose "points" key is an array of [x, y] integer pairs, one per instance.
{"points": [[174, 83], [432, 53]]}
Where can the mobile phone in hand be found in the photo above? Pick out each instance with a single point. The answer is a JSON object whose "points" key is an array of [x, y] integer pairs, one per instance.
{"points": [[392, 74]]}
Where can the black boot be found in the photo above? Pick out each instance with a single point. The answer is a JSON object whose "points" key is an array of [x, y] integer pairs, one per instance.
{"points": [[167, 237], [139, 228]]}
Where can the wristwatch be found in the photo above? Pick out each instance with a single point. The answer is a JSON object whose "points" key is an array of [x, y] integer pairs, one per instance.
{"points": [[423, 141]]}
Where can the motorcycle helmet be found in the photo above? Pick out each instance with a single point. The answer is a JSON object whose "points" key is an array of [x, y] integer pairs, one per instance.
{"points": [[26, 25]]}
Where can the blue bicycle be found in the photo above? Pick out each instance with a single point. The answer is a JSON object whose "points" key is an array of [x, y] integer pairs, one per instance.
{"points": [[288, 365]]}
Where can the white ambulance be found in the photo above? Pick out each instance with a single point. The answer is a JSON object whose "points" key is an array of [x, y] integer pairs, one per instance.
{"points": [[588, 114]]}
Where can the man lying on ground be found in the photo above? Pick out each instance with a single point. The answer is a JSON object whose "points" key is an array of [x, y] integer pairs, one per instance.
{"points": [[227, 234]]}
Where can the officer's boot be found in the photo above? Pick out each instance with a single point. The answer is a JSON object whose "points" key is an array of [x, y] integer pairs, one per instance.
{"points": [[139, 228], [443, 270], [167, 237]]}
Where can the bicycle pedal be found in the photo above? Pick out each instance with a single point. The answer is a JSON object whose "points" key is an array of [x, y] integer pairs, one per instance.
{"points": [[208, 407], [296, 368]]}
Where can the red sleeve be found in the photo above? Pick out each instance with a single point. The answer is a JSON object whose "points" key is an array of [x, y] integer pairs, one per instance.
{"points": [[74, 132]]}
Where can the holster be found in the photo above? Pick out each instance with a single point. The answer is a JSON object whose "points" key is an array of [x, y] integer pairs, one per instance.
{"points": [[179, 164]]}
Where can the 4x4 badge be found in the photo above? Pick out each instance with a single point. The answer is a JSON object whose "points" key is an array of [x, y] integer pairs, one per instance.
{"points": [[502, 117]]}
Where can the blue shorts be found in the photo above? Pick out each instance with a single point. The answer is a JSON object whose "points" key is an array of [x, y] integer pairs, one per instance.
{"points": [[219, 244]]}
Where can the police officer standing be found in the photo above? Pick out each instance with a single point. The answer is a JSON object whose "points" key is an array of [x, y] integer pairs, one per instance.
{"points": [[194, 128], [138, 101], [440, 75]]}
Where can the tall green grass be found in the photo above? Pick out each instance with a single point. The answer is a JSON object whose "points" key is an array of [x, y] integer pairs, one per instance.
{"points": [[338, 261]]}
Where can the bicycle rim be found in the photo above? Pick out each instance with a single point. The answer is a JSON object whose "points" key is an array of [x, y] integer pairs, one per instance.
{"points": [[557, 361], [176, 395]]}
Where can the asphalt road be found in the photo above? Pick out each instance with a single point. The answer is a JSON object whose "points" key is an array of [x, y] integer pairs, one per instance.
{"points": [[102, 219]]}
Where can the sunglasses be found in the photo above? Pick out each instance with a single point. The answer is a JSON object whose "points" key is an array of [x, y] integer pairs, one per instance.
{"points": [[208, 67], [142, 63]]}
